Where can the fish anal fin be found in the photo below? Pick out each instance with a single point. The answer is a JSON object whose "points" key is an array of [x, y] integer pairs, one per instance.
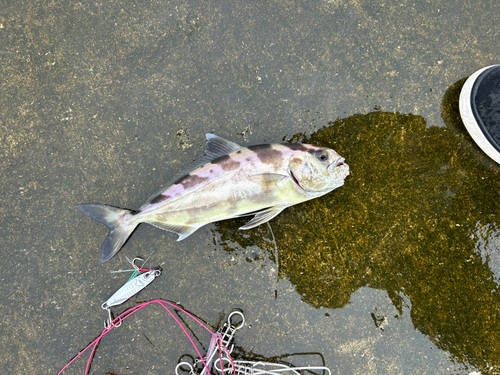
{"points": [[263, 217], [182, 230]]}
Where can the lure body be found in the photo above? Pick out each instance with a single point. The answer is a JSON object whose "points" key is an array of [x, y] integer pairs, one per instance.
{"points": [[131, 288]]}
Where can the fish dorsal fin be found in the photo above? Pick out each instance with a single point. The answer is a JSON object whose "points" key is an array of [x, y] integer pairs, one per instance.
{"points": [[216, 147], [263, 216]]}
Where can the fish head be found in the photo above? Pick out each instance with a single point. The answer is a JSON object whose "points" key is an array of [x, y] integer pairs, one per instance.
{"points": [[317, 169]]}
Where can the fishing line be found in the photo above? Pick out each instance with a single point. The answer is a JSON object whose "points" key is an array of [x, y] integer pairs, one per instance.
{"points": [[132, 311], [275, 248], [220, 340], [277, 260]]}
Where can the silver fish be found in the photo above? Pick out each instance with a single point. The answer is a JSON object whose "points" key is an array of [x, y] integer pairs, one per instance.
{"points": [[229, 181]]}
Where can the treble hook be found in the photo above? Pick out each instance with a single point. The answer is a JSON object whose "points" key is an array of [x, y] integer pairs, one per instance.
{"points": [[132, 262], [137, 268], [108, 324]]}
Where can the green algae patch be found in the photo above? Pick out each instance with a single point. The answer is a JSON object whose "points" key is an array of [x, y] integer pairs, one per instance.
{"points": [[411, 219]]}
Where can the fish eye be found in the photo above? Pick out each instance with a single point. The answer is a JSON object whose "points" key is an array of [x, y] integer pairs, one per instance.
{"points": [[322, 155]]}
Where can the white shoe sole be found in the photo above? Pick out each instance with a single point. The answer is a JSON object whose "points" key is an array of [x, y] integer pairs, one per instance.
{"points": [[484, 141]]}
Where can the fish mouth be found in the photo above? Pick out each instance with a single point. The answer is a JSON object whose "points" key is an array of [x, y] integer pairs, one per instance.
{"points": [[339, 163], [336, 163]]}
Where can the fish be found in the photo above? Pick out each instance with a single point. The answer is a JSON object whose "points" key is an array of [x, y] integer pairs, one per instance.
{"points": [[229, 181]]}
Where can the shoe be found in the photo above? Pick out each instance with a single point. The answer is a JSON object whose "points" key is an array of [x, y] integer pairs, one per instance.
{"points": [[480, 109]]}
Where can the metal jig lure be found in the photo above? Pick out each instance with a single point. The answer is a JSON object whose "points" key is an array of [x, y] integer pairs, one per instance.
{"points": [[130, 288]]}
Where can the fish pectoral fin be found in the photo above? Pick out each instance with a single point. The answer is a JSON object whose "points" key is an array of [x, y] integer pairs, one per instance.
{"points": [[268, 179], [263, 217], [182, 230]]}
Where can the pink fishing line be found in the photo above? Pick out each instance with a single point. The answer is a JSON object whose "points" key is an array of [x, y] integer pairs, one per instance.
{"points": [[228, 354], [133, 310]]}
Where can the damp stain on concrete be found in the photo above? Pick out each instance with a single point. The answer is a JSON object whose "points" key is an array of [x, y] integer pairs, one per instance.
{"points": [[416, 218]]}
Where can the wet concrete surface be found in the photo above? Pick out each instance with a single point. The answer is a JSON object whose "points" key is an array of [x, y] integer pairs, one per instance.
{"points": [[397, 272]]}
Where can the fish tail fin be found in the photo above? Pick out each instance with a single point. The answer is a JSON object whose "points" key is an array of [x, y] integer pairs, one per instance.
{"points": [[119, 229]]}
